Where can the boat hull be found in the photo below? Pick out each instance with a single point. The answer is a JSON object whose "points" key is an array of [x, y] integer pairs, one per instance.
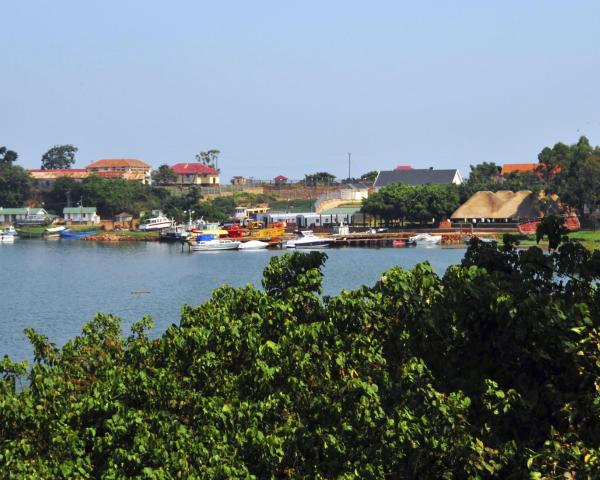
{"points": [[253, 245], [214, 246]]}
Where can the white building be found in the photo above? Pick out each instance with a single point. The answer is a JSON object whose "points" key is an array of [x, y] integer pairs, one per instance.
{"points": [[85, 215]]}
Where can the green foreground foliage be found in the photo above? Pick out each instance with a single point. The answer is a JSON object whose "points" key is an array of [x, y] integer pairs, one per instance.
{"points": [[490, 371]]}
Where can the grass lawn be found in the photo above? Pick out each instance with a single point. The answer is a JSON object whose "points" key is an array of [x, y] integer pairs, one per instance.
{"points": [[586, 235]]}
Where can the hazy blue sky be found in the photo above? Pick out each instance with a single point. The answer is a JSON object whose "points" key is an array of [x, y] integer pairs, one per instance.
{"points": [[291, 87]]}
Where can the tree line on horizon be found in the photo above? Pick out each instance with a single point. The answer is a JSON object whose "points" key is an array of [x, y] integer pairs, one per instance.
{"points": [[570, 171]]}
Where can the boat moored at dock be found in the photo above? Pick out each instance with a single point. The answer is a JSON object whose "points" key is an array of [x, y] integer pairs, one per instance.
{"points": [[308, 239]]}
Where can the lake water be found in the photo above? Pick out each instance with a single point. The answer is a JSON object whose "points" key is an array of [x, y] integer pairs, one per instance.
{"points": [[56, 286]]}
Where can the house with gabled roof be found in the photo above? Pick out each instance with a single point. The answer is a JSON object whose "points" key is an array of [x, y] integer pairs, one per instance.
{"points": [[24, 216], [417, 176], [124, 168], [196, 174], [81, 215]]}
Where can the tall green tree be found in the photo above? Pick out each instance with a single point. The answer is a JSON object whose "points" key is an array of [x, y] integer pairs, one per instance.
{"points": [[15, 185], [59, 157], [484, 172], [209, 157], [7, 157], [575, 173], [164, 174], [369, 176]]}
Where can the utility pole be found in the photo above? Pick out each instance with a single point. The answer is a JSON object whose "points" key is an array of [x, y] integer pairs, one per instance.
{"points": [[349, 157]]}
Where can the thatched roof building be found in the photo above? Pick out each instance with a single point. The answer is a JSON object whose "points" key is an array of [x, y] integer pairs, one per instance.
{"points": [[502, 206]]}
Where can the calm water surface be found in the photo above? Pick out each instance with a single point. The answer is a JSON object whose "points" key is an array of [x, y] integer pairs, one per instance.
{"points": [[56, 286]]}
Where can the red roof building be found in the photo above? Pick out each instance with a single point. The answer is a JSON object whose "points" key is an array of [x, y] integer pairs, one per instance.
{"points": [[403, 167], [196, 174], [509, 168], [125, 168], [280, 179]]}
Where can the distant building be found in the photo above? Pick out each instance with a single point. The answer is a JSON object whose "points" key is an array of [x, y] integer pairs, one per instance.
{"points": [[123, 217], [82, 215], [239, 180], [417, 176], [24, 216], [44, 179], [127, 169], [280, 180], [196, 174]]}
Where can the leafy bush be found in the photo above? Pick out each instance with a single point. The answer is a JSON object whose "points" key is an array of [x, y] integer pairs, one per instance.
{"points": [[492, 370]]}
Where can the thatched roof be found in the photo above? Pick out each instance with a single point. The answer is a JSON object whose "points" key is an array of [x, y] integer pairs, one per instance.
{"points": [[499, 205]]}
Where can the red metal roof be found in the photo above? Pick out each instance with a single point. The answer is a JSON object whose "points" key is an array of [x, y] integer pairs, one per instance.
{"points": [[193, 168], [508, 168], [403, 167], [280, 178], [118, 162]]}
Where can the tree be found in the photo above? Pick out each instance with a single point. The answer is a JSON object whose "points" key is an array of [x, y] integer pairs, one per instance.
{"points": [[15, 185], [575, 174], [488, 371], [164, 174], [65, 191], [210, 157], [484, 172], [413, 203], [59, 157], [369, 176], [319, 178], [7, 157]]}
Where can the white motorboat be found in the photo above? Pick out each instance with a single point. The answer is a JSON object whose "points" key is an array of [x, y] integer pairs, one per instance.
{"points": [[52, 230], [8, 235], [253, 245], [215, 245], [308, 239], [155, 223], [425, 239]]}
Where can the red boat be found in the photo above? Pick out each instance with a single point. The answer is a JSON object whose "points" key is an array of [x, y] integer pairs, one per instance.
{"points": [[571, 223]]}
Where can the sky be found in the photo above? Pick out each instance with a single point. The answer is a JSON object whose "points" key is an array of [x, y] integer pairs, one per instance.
{"points": [[291, 87]]}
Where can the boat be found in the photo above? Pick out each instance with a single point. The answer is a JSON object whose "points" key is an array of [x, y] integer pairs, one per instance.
{"points": [[308, 239], [69, 235], [215, 245], [155, 223], [425, 239], [257, 230], [53, 230], [202, 227], [253, 245], [398, 242], [7, 238], [177, 233], [529, 227], [8, 235]]}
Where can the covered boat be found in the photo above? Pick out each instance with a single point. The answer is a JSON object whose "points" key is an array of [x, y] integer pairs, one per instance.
{"points": [[69, 235]]}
